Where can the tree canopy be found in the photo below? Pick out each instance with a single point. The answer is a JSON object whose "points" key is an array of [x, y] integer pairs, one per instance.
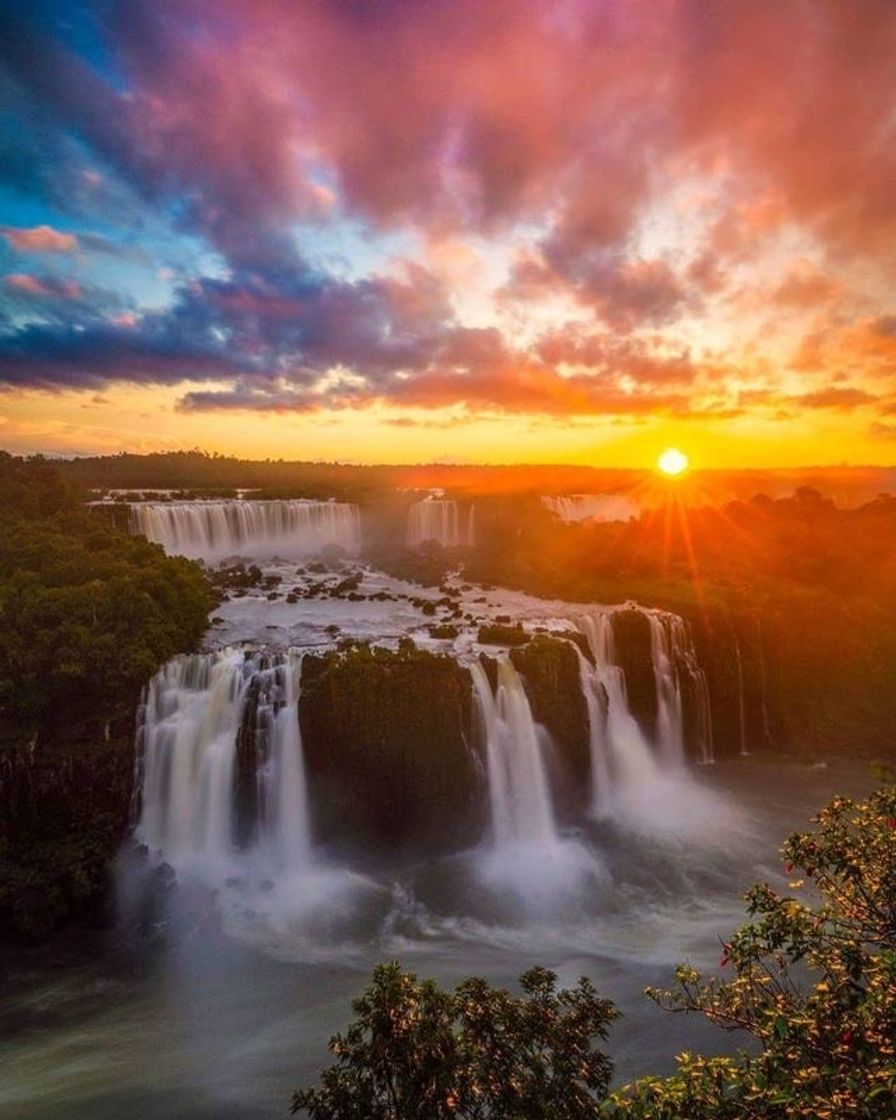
{"points": [[87, 612]]}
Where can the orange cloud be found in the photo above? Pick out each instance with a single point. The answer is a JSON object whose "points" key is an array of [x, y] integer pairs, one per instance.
{"points": [[40, 239]]}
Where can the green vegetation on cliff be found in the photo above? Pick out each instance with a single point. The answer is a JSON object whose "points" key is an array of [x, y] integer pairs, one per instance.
{"points": [[791, 601], [87, 615], [387, 736]]}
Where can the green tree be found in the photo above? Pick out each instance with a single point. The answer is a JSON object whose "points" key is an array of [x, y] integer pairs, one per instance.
{"points": [[814, 985], [417, 1052]]}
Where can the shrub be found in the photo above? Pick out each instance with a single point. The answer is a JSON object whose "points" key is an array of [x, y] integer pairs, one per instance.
{"points": [[417, 1052]]}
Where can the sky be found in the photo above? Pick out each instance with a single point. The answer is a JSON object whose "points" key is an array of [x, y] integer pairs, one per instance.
{"points": [[447, 230]]}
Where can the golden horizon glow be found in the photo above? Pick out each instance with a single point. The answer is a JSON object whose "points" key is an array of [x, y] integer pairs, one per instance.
{"points": [[673, 462]]}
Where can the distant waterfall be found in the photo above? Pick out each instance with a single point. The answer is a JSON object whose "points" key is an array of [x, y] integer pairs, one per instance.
{"points": [[518, 783], [437, 519], [623, 761], [592, 507], [200, 711], [212, 530]]}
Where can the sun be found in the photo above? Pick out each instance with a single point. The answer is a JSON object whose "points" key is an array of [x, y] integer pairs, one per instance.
{"points": [[673, 462]]}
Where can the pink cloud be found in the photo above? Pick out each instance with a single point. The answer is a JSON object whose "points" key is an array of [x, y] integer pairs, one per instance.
{"points": [[37, 287], [39, 239]]}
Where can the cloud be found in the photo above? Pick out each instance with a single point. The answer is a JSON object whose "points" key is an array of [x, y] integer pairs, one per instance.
{"points": [[39, 239], [806, 287], [634, 162], [24, 285], [842, 399]]}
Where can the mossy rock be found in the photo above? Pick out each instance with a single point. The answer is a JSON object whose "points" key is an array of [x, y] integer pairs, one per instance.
{"points": [[445, 631], [550, 669], [386, 738], [631, 641], [501, 635]]}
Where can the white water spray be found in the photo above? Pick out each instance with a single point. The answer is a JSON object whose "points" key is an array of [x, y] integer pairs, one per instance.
{"points": [[518, 785], [196, 709], [211, 530], [592, 507], [436, 519], [642, 784]]}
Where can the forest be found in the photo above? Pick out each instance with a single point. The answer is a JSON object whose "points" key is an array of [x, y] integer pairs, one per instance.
{"points": [[87, 614]]}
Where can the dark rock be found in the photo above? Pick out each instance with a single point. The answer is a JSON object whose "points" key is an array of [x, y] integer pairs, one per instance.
{"points": [[387, 745]]}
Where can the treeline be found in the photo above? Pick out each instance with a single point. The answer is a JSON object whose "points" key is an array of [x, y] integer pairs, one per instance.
{"points": [[87, 614], [197, 470]]}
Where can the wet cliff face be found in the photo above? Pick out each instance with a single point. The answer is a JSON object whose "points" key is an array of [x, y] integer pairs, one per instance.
{"points": [[550, 670], [631, 640], [387, 739], [66, 809]]}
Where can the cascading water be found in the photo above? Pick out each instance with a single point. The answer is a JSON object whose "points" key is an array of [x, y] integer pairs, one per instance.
{"points": [[629, 774], [193, 719], [284, 833], [675, 665], [518, 784], [527, 860], [437, 519], [592, 507], [211, 530], [741, 706], [621, 758], [669, 730]]}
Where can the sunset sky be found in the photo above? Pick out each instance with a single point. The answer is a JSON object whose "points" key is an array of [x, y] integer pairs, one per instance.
{"points": [[454, 230]]}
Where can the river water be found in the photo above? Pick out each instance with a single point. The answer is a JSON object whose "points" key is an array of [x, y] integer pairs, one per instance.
{"points": [[226, 1014]]}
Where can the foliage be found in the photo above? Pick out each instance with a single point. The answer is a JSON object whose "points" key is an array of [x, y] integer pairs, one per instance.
{"points": [[64, 814], [813, 985], [87, 615], [385, 737], [805, 591], [418, 1052], [87, 612], [499, 634]]}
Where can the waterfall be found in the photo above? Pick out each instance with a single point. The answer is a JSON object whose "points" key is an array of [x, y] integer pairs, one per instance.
{"points": [[284, 816], [741, 707], [766, 728], [675, 666], [624, 764], [622, 758], [214, 530], [592, 507], [518, 784], [197, 711], [669, 730], [436, 519]]}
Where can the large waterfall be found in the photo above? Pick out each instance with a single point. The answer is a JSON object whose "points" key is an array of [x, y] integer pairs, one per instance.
{"points": [[201, 803], [592, 507], [520, 796], [213, 530], [221, 771], [437, 519], [627, 769]]}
